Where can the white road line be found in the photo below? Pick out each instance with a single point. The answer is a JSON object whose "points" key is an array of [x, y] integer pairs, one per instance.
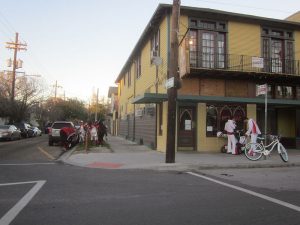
{"points": [[282, 203], [25, 164], [14, 211]]}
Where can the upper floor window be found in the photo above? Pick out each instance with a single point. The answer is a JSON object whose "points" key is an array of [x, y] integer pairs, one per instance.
{"points": [[278, 50], [207, 43], [155, 45], [138, 67], [285, 92], [129, 78]]}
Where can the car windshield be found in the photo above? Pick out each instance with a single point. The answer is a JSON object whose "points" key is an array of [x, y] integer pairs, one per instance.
{"points": [[61, 125], [4, 127]]}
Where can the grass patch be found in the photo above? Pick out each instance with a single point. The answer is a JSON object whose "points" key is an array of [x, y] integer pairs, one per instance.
{"points": [[104, 148]]}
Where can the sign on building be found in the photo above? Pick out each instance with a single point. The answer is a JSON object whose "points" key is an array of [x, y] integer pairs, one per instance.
{"points": [[257, 62]]}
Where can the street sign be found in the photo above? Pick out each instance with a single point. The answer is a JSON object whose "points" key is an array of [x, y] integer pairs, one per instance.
{"points": [[170, 83], [261, 89]]}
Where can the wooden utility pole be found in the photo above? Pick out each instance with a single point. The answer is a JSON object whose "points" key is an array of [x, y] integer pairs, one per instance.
{"points": [[55, 90], [96, 109], [173, 79], [16, 46]]}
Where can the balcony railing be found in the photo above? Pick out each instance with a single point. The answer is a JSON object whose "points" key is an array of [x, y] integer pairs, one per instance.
{"points": [[229, 62]]}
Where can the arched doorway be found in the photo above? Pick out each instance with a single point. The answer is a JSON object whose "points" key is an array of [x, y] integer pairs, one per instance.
{"points": [[186, 128]]}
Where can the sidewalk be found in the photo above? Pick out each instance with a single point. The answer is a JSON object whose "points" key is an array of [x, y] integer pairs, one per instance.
{"points": [[129, 155]]}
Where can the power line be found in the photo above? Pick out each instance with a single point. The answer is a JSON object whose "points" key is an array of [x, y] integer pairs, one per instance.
{"points": [[243, 6]]}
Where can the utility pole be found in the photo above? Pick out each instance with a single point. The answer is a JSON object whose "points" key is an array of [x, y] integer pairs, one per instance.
{"points": [[55, 90], [16, 46], [173, 79], [96, 110]]}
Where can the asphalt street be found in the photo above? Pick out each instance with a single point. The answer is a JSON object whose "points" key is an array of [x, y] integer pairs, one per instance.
{"points": [[36, 189]]}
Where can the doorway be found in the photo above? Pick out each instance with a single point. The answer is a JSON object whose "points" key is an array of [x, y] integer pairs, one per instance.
{"points": [[186, 128]]}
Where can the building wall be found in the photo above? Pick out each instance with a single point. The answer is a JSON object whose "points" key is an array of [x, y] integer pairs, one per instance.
{"points": [[205, 144], [286, 122], [297, 45], [145, 130], [244, 39], [162, 139]]}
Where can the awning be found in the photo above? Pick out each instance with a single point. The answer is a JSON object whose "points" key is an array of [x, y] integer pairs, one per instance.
{"points": [[148, 98]]}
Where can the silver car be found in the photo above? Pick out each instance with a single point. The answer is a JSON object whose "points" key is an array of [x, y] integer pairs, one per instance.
{"points": [[9, 132]]}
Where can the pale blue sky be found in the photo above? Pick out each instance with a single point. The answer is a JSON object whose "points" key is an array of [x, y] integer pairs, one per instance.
{"points": [[83, 44]]}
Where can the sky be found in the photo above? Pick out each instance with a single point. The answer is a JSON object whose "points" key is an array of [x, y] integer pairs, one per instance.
{"points": [[83, 44]]}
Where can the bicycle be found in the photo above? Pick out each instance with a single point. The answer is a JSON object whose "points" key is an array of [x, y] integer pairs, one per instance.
{"points": [[254, 151]]}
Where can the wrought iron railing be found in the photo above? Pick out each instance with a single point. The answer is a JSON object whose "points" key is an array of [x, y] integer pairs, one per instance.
{"points": [[243, 63]]}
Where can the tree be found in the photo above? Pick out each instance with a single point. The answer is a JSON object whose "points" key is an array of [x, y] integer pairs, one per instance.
{"points": [[28, 93], [70, 109]]}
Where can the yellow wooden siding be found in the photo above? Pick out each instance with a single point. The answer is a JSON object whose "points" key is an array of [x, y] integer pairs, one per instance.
{"points": [[295, 17], [297, 45], [244, 39], [163, 68], [251, 111], [162, 139], [206, 144], [286, 123]]}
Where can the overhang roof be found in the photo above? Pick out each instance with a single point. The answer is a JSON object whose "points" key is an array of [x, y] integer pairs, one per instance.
{"points": [[148, 98], [112, 90], [164, 9]]}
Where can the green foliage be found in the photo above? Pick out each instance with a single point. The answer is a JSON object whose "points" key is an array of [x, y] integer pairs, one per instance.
{"points": [[71, 109]]}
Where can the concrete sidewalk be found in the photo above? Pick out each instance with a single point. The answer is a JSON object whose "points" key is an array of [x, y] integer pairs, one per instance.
{"points": [[125, 154]]}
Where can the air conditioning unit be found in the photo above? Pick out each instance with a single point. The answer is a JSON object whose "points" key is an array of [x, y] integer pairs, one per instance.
{"points": [[154, 54]]}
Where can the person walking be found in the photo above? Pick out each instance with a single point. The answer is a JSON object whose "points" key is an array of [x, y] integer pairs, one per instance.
{"points": [[229, 128], [253, 131]]}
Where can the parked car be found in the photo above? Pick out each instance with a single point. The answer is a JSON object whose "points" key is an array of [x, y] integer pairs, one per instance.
{"points": [[26, 129], [36, 131], [9, 132], [54, 131]]}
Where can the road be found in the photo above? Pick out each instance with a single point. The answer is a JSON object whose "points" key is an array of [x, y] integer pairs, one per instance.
{"points": [[35, 189]]}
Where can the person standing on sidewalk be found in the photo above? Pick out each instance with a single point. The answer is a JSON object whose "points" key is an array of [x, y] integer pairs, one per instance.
{"points": [[229, 128], [253, 131]]}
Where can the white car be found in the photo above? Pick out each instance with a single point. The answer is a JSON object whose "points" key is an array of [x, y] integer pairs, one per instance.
{"points": [[36, 132]]}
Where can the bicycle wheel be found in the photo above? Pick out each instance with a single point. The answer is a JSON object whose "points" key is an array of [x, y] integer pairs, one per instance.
{"points": [[283, 153], [253, 151]]}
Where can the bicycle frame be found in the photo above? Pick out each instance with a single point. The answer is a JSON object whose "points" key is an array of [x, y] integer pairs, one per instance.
{"points": [[266, 148]]}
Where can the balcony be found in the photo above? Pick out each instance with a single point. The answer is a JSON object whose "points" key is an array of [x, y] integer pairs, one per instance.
{"points": [[222, 64]]}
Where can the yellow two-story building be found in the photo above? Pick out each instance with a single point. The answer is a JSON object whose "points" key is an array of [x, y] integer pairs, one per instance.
{"points": [[223, 58]]}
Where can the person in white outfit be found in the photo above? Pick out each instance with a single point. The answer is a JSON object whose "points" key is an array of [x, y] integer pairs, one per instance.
{"points": [[253, 131], [229, 128], [81, 132]]}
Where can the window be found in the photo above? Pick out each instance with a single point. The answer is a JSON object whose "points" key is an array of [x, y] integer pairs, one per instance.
{"points": [[217, 116], [298, 92], [155, 48], [278, 50], [211, 121], [155, 42], [285, 92], [129, 78], [138, 67], [207, 44]]}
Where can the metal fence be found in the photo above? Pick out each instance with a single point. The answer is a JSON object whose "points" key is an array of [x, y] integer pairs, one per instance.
{"points": [[243, 63]]}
